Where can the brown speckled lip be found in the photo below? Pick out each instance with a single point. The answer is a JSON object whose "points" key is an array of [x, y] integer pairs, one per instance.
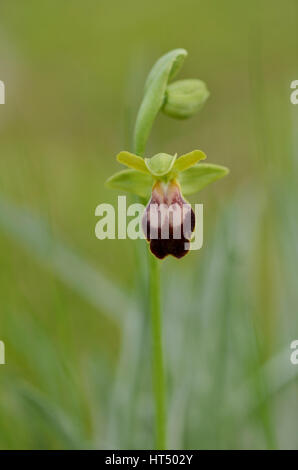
{"points": [[166, 197]]}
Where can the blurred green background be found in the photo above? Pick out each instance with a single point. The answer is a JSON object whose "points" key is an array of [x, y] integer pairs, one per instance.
{"points": [[73, 310]]}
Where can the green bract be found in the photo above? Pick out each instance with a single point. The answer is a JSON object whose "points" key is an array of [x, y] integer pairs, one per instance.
{"points": [[192, 176], [158, 79]]}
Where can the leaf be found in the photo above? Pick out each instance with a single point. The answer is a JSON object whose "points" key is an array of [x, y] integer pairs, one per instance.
{"points": [[160, 164], [161, 73], [131, 181], [188, 160], [132, 161], [197, 177]]}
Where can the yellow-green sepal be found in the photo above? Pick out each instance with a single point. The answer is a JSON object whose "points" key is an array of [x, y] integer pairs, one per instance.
{"points": [[132, 181], [132, 161], [188, 160], [197, 177]]}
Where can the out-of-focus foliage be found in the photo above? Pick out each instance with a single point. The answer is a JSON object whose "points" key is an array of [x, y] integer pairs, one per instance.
{"points": [[72, 308]]}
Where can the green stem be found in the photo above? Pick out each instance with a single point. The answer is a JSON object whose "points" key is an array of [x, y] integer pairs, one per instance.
{"points": [[157, 355], [162, 72]]}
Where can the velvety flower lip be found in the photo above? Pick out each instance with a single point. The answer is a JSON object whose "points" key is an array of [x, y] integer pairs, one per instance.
{"points": [[168, 221]]}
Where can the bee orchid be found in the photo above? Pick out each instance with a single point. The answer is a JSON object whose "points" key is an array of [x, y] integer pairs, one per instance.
{"points": [[163, 180]]}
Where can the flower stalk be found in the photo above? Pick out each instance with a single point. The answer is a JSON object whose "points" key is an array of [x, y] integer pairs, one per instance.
{"points": [[159, 385]]}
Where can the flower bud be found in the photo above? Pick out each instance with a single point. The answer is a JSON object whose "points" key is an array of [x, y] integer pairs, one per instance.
{"points": [[184, 98]]}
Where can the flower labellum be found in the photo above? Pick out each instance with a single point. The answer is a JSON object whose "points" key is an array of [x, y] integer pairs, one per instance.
{"points": [[168, 221]]}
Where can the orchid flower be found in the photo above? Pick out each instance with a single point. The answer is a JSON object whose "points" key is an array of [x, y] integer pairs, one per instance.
{"points": [[163, 180]]}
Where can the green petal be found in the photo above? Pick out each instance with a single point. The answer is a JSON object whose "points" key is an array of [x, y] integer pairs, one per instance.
{"points": [[131, 181], [197, 177], [160, 164], [188, 160], [132, 161]]}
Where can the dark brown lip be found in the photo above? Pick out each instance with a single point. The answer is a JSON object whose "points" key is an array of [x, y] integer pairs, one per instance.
{"points": [[171, 244], [163, 248]]}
